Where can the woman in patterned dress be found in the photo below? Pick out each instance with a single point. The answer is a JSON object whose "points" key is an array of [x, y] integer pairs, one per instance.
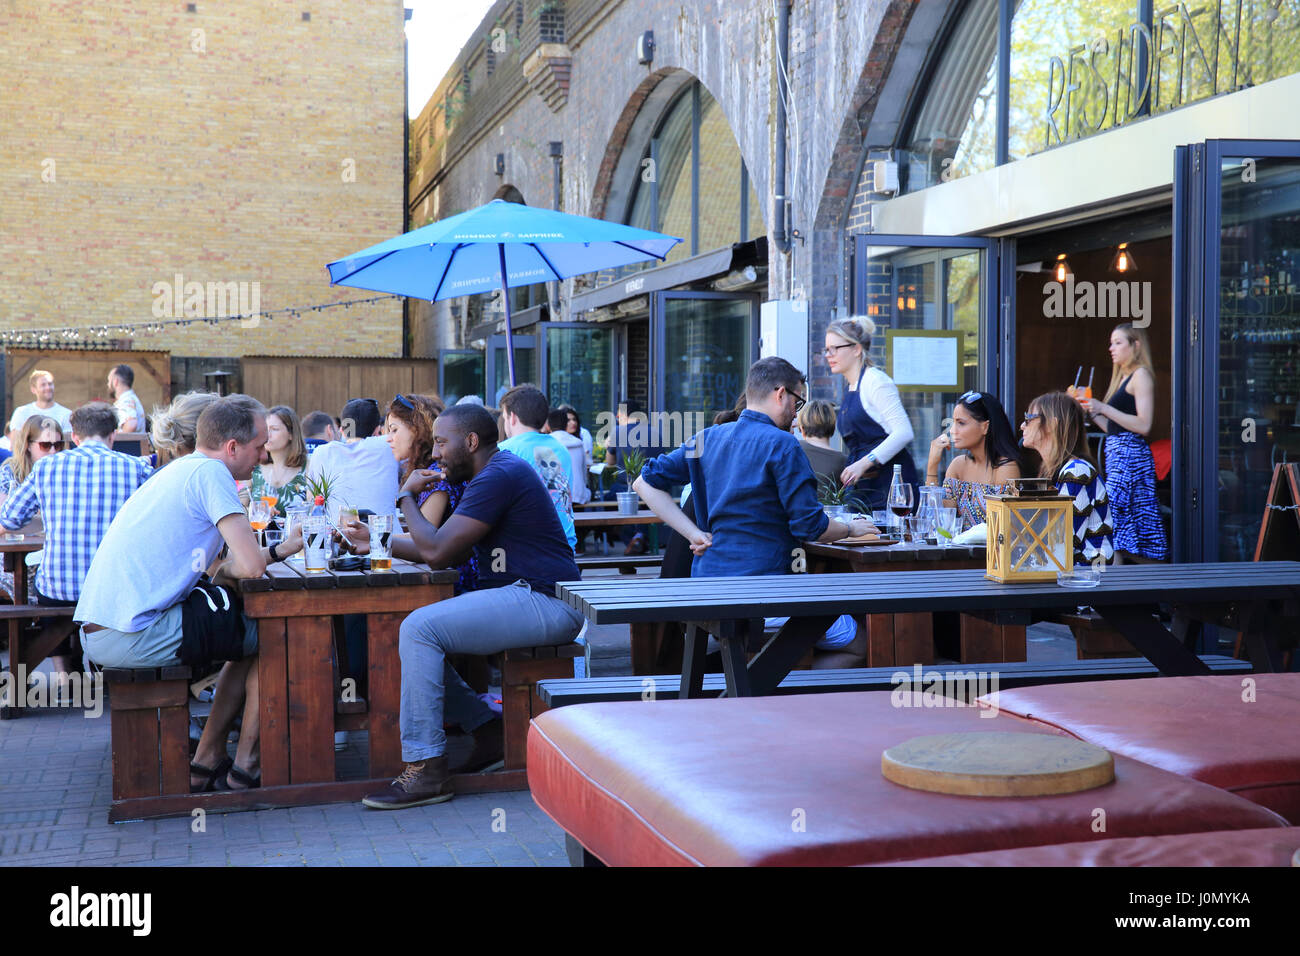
{"points": [[990, 457], [409, 433], [1054, 427], [284, 475], [1126, 416]]}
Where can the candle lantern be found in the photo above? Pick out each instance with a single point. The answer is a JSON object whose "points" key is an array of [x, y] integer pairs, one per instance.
{"points": [[1030, 532]]}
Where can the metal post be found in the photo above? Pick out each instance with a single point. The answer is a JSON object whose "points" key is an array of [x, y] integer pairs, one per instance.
{"points": [[505, 301]]}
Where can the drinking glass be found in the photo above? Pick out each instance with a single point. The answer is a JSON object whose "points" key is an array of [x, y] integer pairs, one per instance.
{"points": [[946, 520], [315, 541], [381, 528], [901, 501], [273, 536], [259, 516]]}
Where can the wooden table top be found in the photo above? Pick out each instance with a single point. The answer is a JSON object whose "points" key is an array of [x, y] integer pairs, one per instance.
{"points": [[30, 542], [291, 576], [599, 520], [612, 601], [885, 554]]}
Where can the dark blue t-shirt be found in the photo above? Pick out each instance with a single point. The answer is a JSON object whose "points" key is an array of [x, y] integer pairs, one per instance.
{"points": [[526, 540]]}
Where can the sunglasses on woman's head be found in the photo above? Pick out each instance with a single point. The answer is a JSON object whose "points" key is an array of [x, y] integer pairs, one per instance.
{"points": [[403, 400], [969, 397], [1030, 416], [49, 445]]}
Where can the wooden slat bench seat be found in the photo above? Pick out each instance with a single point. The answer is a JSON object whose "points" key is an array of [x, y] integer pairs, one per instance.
{"points": [[149, 725], [560, 693], [521, 670], [30, 642], [629, 561]]}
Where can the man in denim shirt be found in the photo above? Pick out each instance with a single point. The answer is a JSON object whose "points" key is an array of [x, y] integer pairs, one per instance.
{"points": [[754, 491]]}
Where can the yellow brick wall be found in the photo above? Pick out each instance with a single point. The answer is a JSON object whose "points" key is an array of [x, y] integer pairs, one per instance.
{"points": [[133, 148]]}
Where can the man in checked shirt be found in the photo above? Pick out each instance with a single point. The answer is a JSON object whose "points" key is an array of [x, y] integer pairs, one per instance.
{"points": [[77, 492]]}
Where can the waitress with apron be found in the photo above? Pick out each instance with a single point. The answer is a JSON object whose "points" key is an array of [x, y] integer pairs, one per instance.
{"points": [[871, 421]]}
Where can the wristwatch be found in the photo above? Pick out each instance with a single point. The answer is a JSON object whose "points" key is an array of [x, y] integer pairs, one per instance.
{"points": [[871, 457], [271, 551], [398, 503]]}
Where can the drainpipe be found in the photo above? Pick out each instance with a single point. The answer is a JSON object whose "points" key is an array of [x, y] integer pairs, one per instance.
{"points": [[783, 67]]}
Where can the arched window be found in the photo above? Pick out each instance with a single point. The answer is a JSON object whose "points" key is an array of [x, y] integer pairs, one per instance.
{"points": [[692, 181], [1081, 67]]}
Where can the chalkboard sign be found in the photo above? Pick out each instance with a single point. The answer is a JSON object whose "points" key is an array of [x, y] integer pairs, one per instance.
{"points": [[1279, 533]]}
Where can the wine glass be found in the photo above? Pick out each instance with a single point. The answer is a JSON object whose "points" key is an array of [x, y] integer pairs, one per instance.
{"points": [[901, 502], [259, 516]]}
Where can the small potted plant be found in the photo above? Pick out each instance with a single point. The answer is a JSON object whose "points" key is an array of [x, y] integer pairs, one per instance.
{"points": [[633, 462], [835, 498]]}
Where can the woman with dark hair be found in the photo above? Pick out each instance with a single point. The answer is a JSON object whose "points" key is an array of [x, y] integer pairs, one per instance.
{"points": [[282, 475], [408, 430], [991, 458], [1054, 427], [1126, 416]]}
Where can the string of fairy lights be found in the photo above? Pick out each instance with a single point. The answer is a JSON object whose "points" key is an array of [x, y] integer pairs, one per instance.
{"points": [[103, 333]]}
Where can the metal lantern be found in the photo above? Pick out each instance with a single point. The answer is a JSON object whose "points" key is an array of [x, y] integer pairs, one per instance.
{"points": [[1030, 532]]}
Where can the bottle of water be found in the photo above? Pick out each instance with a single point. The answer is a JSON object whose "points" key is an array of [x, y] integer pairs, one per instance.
{"points": [[895, 521]]}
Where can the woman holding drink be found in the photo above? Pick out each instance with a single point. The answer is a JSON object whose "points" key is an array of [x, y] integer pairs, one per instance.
{"points": [[1126, 417], [408, 430], [872, 421]]}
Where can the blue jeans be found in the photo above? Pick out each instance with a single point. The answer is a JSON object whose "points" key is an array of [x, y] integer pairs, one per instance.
{"points": [[480, 622]]}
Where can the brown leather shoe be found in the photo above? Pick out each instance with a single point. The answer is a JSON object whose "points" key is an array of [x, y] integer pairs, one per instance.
{"points": [[489, 749], [636, 545], [418, 784]]}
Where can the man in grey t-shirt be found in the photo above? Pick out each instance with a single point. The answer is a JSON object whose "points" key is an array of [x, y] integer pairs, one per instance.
{"points": [[154, 552]]}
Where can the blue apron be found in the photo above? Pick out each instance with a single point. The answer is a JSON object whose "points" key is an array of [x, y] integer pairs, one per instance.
{"points": [[862, 433]]}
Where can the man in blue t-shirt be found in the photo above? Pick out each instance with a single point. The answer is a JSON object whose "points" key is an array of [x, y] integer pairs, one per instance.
{"points": [[523, 412], [507, 516]]}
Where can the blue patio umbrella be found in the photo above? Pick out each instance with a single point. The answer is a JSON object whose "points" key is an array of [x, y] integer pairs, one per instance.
{"points": [[497, 246]]}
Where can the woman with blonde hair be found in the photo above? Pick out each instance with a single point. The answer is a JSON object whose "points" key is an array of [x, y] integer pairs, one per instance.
{"points": [[40, 435], [1126, 417], [1055, 428], [875, 429], [174, 428]]}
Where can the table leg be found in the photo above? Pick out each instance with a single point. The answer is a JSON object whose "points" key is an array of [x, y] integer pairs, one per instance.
{"points": [[880, 640], [1264, 653], [384, 700], [645, 646], [697, 644], [734, 660], [913, 639], [311, 699], [1138, 623], [783, 651], [273, 689]]}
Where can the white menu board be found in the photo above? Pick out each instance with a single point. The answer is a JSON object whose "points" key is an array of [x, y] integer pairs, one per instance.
{"points": [[924, 359]]}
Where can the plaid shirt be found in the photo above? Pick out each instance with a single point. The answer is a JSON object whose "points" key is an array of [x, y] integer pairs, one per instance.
{"points": [[78, 492]]}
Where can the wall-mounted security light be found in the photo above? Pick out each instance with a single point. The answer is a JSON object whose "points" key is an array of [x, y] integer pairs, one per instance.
{"points": [[645, 48], [499, 164]]}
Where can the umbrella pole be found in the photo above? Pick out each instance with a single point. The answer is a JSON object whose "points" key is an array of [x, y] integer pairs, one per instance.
{"points": [[505, 300]]}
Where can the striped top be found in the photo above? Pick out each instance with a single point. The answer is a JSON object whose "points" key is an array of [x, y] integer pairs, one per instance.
{"points": [[1092, 522], [969, 496]]}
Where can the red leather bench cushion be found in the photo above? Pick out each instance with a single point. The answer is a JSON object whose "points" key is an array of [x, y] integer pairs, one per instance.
{"points": [[1271, 847], [796, 780], [1199, 727]]}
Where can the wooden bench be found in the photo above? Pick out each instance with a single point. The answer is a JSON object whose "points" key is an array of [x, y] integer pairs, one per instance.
{"points": [[29, 643], [630, 562], [562, 692], [149, 725], [521, 670]]}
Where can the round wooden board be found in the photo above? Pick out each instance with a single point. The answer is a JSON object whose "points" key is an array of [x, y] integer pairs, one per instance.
{"points": [[997, 764]]}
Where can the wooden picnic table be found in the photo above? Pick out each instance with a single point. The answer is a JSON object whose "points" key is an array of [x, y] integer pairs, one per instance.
{"points": [[909, 638], [302, 706], [1254, 598], [602, 520], [15, 554]]}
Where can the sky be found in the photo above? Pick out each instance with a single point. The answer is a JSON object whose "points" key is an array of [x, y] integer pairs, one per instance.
{"points": [[435, 34]]}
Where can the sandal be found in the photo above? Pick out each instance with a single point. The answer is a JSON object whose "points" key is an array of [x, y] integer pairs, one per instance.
{"points": [[213, 774], [244, 780]]}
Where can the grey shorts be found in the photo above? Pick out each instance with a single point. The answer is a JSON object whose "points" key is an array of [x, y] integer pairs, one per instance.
{"points": [[157, 645]]}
